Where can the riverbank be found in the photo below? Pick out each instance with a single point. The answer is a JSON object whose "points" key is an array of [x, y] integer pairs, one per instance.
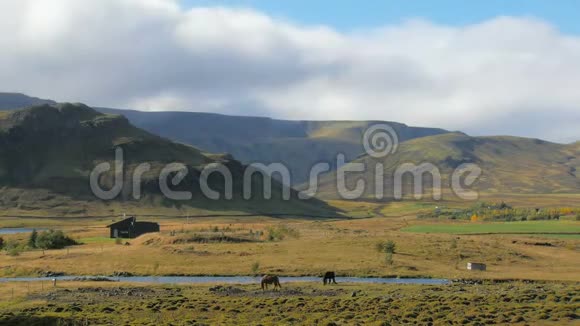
{"points": [[223, 279]]}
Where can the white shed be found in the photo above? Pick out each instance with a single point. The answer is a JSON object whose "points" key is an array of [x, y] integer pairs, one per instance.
{"points": [[476, 266]]}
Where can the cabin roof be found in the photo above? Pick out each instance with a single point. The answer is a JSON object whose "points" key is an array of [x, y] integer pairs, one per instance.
{"points": [[124, 221]]}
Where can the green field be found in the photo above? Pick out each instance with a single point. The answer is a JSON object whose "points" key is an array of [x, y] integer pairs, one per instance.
{"points": [[548, 228], [91, 240]]}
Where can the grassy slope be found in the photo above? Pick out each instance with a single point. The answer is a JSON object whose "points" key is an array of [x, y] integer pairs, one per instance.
{"points": [[509, 164]]}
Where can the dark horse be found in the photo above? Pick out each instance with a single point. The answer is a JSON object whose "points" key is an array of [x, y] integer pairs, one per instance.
{"points": [[329, 277], [270, 279]]}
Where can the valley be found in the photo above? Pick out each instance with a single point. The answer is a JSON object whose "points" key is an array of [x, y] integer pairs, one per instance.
{"points": [[523, 226]]}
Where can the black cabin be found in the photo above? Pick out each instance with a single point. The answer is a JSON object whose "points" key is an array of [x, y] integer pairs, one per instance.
{"points": [[130, 228]]}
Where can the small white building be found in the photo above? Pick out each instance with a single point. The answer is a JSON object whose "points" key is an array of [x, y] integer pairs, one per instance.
{"points": [[476, 267]]}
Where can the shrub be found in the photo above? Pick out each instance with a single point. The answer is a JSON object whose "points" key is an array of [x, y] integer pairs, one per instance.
{"points": [[453, 243], [32, 239], [280, 233], [255, 268], [13, 247], [1, 243], [390, 247], [52, 239], [389, 258], [14, 252], [380, 246]]}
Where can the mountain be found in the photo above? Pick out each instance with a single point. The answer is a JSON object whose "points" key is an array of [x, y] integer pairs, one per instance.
{"points": [[508, 164], [10, 101], [297, 144], [47, 153]]}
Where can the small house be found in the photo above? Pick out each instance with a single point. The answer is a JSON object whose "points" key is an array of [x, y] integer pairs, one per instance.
{"points": [[476, 267], [130, 228]]}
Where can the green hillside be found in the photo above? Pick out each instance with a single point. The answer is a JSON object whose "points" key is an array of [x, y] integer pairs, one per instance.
{"points": [[509, 164], [47, 153]]}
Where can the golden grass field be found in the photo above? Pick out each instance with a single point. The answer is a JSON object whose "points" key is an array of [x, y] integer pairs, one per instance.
{"points": [[345, 246]]}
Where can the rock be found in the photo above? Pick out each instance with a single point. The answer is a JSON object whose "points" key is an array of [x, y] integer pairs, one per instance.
{"points": [[51, 274]]}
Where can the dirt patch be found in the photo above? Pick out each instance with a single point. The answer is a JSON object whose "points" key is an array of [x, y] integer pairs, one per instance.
{"points": [[212, 238], [90, 294], [226, 290], [284, 292]]}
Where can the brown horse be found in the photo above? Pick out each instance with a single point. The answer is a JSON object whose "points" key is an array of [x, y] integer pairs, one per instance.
{"points": [[329, 277], [270, 279]]}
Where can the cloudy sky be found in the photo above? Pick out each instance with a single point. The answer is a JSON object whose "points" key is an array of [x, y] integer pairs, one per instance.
{"points": [[508, 70]]}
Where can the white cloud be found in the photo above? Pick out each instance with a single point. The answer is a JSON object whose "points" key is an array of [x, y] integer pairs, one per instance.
{"points": [[507, 75]]}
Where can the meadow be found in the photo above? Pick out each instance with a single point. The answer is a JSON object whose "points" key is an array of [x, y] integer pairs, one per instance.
{"points": [[539, 228], [309, 247], [86, 303]]}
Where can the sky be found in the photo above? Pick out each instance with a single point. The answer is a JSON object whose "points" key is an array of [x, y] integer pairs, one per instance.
{"points": [[485, 68], [355, 14]]}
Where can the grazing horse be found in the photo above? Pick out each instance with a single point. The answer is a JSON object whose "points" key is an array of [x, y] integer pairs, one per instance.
{"points": [[270, 279], [329, 277]]}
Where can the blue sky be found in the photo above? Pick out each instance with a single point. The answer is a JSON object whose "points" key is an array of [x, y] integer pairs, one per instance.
{"points": [[351, 14]]}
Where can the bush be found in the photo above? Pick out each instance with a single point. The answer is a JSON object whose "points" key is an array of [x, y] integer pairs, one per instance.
{"points": [[255, 268], [380, 246], [14, 252], [389, 258], [390, 247], [32, 239], [52, 239], [1, 243], [453, 243], [280, 232], [13, 247]]}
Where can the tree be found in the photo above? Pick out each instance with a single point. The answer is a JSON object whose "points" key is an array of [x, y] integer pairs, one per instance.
{"points": [[390, 247], [389, 258], [32, 239], [52, 239]]}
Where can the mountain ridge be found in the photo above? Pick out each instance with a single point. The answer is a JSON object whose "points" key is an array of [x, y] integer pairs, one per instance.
{"points": [[298, 144], [48, 152], [509, 164]]}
